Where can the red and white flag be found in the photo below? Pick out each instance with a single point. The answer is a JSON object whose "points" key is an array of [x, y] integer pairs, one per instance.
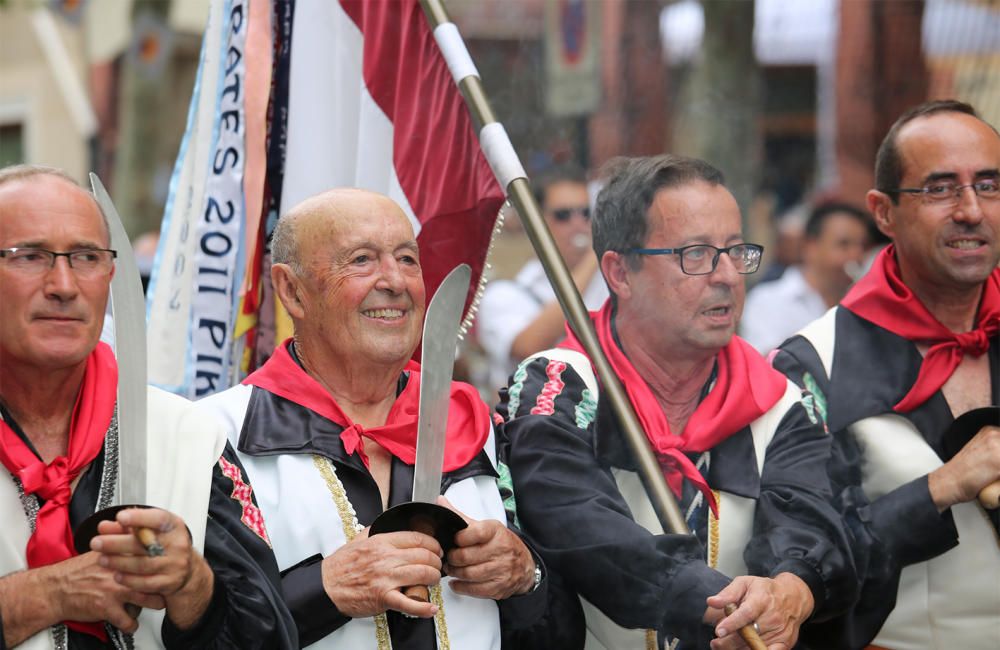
{"points": [[372, 104], [360, 95]]}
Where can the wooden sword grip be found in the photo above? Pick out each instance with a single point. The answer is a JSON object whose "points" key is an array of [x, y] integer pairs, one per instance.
{"points": [[420, 592], [989, 496], [747, 632]]}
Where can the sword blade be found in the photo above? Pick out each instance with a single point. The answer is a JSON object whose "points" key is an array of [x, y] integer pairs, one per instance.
{"points": [[128, 307], [441, 324]]}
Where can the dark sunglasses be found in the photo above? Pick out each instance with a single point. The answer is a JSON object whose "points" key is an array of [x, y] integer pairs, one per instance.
{"points": [[565, 214]]}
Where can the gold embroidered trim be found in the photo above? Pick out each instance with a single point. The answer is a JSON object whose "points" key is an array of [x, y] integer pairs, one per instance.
{"points": [[382, 632], [442, 626], [713, 531], [650, 639], [349, 521]]}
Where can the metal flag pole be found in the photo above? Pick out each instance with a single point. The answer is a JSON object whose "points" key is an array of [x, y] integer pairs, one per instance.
{"points": [[507, 167]]}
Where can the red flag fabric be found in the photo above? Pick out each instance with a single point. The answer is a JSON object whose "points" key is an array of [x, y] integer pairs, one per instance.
{"points": [[360, 96], [388, 117]]}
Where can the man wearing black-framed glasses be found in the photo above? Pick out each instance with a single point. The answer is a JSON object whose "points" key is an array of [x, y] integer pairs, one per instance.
{"points": [[907, 372], [734, 440]]}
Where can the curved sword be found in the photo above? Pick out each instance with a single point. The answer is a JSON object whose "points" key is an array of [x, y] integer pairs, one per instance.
{"points": [[128, 307]]}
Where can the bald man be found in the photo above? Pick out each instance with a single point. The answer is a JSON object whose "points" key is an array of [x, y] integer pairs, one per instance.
{"points": [[216, 580], [327, 431]]}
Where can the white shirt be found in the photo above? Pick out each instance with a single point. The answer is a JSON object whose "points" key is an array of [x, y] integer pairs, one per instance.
{"points": [[509, 306], [776, 310]]}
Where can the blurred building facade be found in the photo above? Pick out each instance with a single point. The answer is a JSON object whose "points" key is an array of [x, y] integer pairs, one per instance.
{"points": [[787, 97], [100, 85]]}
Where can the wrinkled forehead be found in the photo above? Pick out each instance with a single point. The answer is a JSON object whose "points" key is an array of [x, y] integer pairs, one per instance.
{"points": [[693, 212], [357, 219], [947, 144], [43, 206]]}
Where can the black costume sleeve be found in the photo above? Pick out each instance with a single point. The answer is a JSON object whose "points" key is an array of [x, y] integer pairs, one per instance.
{"points": [[895, 530], [246, 610], [569, 506], [548, 617], [796, 528], [315, 614]]}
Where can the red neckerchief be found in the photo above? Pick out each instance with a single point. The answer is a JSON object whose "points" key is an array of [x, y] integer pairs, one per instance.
{"points": [[468, 416], [882, 298], [52, 540], [745, 388]]}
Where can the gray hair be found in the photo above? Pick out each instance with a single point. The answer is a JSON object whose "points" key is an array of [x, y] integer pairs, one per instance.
{"points": [[13, 173], [620, 222], [284, 247]]}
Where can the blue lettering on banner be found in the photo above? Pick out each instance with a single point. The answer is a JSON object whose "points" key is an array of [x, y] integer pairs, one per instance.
{"points": [[218, 258], [214, 205]]}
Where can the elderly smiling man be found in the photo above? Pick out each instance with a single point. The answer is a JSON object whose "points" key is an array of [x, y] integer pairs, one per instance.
{"points": [[327, 431], [733, 437], [58, 443]]}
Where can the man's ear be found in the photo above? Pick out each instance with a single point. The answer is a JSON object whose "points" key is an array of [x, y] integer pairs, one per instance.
{"points": [[880, 205], [286, 286], [614, 266]]}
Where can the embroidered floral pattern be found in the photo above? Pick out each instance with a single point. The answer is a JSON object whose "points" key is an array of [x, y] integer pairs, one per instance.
{"points": [[586, 410], [545, 404], [243, 493], [814, 400], [505, 484], [514, 392]]}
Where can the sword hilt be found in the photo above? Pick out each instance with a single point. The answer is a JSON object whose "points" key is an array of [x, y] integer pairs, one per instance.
{"points": [[425, 525]]}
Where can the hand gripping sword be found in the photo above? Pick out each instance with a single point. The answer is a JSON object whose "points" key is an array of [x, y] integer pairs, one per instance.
{"points": [[423, 514]]}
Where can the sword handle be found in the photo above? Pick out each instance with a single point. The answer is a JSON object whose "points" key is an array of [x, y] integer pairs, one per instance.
{"points": [[749, 634], [989, 496], [420, 592]]}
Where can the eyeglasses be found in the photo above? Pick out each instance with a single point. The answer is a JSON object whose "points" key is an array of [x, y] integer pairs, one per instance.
{"points": [[949, 192], [565, 214], [701, 259], [85, 262]]}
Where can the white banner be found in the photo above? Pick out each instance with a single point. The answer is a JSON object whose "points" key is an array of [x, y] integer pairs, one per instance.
{"points": [[199, 266]]}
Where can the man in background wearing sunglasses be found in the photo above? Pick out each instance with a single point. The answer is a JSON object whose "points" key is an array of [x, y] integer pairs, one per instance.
{"points": [[911, 347], [745, 457], [522, 316]]}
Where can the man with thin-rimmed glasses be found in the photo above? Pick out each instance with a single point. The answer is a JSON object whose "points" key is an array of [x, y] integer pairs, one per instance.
{"points": [[906, 369], [742, 453], [59, 448]]}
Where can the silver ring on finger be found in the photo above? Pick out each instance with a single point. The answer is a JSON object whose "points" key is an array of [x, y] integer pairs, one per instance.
{"points": [[756, 629]]}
